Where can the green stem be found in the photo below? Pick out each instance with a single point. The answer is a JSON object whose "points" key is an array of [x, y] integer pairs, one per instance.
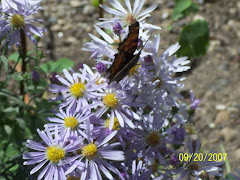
{"points": [[100, 9], [23, 55]]}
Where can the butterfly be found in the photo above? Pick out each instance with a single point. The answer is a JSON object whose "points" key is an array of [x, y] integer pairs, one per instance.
{"points": [[125, 59]]}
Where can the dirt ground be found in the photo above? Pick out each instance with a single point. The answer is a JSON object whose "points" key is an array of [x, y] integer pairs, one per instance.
{"points": [[215, 78]]}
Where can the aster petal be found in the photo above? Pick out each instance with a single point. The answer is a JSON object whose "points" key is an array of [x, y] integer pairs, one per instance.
{"points": [[36, 146], [68, 76], [128, 4], [50, 172], [139, 6], [105, 171], [43, 172], [117, 5], [34, 30], [120, 119], [30, 36], [112, 11], [148, 10], [38, 167], [57, 89], [104, 35], [94, 173], [63, 81], [35, 160], [108, 138], [113, 155], [31, 155], [44, 137]]}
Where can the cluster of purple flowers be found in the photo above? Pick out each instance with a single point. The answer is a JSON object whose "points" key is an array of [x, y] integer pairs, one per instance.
{"points": [[131, 130]]}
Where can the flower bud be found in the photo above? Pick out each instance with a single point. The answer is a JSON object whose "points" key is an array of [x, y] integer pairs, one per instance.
{"points": [[179, 134], [100, 67], [174, 160], [117, 28], [80, 66], [53, 79], [148, 59], [35, 77]]}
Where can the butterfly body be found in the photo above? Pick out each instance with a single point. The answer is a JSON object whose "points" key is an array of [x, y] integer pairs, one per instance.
{"points": [[126, 49]]}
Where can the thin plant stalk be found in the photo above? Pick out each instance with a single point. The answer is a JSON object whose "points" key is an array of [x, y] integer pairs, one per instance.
{"points": [[100, 9], [23, 56]]}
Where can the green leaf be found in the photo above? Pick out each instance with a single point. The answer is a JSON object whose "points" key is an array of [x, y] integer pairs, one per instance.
{"points": [[57, 66], [11, 96], [5, 62], [14, 57], [11, 151], [7, 129], [192, 9], [194, 39], [180, 7], [21, 123]]}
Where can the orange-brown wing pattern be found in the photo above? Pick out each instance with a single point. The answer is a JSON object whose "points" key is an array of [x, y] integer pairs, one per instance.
{"points": [[126, 50]]}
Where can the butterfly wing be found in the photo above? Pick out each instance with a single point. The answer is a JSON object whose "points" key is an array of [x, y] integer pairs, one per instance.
{"points": [[126, 50]]}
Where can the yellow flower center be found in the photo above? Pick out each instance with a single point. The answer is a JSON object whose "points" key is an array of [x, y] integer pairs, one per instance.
{"points": [[89, 151], [17, 21], [134, 69], [110, 100], [70, 122], [77, 89], [55, 154], [130, 19], [115, 124], [193, 166], [153, 139]]}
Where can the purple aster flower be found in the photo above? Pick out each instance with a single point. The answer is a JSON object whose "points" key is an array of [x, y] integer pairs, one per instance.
{"points": [[101, 68], [69, 123], [114, 100], [150, 141], [51, 153], [77, 88], [128, 16], [35, 77], [94, 155], [15, 21]]}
